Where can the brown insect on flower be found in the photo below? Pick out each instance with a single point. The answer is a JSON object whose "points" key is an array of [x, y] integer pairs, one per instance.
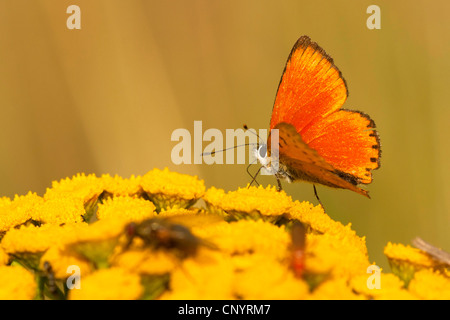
{"points": [[298, 238], [49, 286], [439, 255], [161, 233]]}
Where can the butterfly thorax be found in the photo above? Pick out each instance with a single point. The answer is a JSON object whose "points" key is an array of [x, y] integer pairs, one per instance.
{"points": [[280, 171]]}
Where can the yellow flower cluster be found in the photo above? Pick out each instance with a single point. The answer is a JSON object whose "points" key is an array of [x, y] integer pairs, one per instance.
{"points": [[421, 273], [245, 203], [17, 283], [148, 237]]}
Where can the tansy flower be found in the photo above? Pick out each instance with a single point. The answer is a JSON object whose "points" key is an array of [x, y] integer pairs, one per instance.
{"points": [[168, 189], [391, 287], [154, 262], [97, 242], [178, 212], [127, 208], [82, 188], [262, 277], [16, 212], [4, 257], [4, 201], [192, 218], [209, 275], [406, 260], [154, 267], [28, 243], [246, 236], [327, 242], [318, 221], [314, 217], [56, 266], [326, 254], [109, 284], [60, 259], [16, 283], [334, 289], [5, 204], [249, 203], [59, 211], [118, 186], [429, 284], [37, 239]]}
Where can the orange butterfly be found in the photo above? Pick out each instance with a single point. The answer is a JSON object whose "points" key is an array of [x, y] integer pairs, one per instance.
{"points": [[318, 141]]}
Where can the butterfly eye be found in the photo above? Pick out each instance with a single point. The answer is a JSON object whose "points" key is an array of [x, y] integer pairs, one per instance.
{"points": [[262, 151]]}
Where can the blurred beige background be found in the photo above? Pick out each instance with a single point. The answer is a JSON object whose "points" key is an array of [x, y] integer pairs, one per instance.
{"points": [[106, 98]]}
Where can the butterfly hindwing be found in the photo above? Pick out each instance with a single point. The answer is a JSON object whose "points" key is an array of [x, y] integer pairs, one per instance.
{"points": [[347, 140], [300, 162]]}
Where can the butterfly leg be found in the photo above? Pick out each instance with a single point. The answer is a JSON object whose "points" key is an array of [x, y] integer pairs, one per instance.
{"points": [[279, 185], [317, 197], [254, 177], [248, 169]]}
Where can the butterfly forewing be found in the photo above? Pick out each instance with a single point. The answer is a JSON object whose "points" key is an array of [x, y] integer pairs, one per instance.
{"points": [[310, 87]]}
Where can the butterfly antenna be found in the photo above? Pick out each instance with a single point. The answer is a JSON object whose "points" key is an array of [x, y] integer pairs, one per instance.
{"points": [[234, 147], [261, 141], [317, 197]]}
